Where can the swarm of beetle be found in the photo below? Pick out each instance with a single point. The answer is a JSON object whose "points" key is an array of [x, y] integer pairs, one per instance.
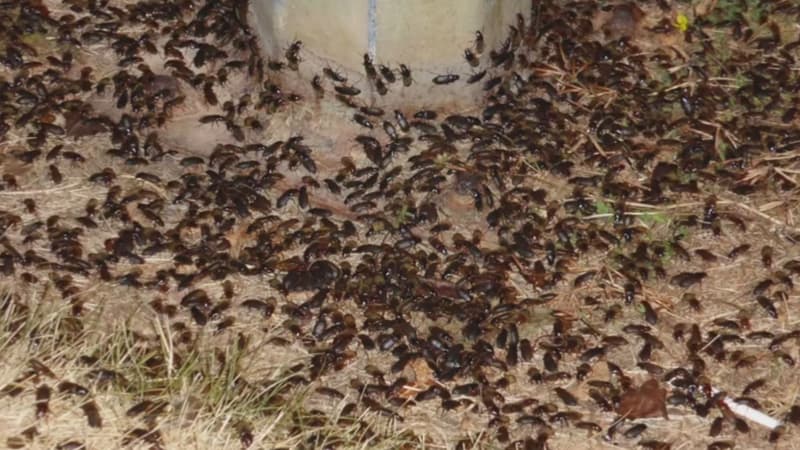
{"points": [[543, 266]]}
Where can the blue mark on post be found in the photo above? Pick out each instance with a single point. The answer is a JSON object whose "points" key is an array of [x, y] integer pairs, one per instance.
{"points": [[372, 28]]}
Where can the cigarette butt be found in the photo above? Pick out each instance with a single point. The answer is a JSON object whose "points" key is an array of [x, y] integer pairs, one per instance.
{"points": [[749, 413]]}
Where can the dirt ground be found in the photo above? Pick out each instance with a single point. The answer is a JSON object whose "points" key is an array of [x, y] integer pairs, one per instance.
{"points": [[603, 255]]}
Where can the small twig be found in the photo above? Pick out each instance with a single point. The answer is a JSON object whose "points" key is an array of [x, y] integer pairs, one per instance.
{"points": [[788, 155], [701, 133], [631, 214], [39, 191], [762, 215], [596, 145], [682, 85]]}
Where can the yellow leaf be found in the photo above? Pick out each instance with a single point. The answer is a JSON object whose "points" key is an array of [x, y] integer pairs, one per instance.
{"points": [[682, 22]]}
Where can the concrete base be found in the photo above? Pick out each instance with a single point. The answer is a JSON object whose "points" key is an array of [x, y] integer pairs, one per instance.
{"points": [[428, 36]]}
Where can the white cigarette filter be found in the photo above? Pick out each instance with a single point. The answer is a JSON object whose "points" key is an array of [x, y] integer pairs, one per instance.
{"points": [[749, 413]]}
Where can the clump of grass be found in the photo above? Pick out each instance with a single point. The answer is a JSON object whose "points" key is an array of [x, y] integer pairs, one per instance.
{"points": [[207, 387], [603, 207]]}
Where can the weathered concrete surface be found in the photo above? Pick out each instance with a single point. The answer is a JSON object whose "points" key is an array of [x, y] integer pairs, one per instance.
{"points": [[428, 36]]}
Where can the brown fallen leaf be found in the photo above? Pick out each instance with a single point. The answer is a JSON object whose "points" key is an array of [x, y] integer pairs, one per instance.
{"points": [[424, 377], [648, 400], [78, 124], [238, 236], [624, 21]]}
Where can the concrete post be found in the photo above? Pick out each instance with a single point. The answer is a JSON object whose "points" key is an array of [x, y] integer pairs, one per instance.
{"points": [[427, 36]]}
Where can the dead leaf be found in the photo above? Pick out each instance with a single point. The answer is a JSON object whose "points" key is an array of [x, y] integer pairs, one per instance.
{"points": [[78, 125], [238, 237], [624, 21], [423, 378], [648, 400], [423, 374], [704, 7]]}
